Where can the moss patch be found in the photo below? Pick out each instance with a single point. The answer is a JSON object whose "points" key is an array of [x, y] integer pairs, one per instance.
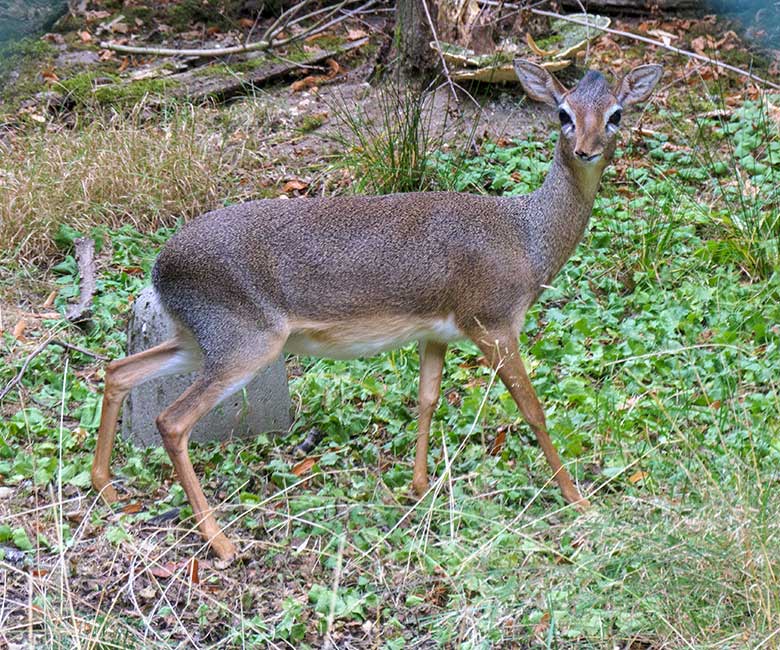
{"points": [[108, 89], [231, 69], [311, 123]]}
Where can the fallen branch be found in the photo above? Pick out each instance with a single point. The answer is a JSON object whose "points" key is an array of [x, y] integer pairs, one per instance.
{"points": [[9, 386], [650, 41], [85, 255], [79, 349], [195, 86], [46, 343], [264, 44]]}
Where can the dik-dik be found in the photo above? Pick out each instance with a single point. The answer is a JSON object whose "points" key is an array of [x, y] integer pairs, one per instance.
{"points": [[347, 277]]}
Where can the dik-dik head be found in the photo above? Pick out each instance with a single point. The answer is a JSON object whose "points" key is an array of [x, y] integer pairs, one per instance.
{"points": [[590, 113]]}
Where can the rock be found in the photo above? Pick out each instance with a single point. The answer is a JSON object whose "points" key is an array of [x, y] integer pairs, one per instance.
{"points": [[76, 58], [264, 407], [50, 99]]}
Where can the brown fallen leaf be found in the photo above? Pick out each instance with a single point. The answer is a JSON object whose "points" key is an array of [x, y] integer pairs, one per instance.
{"points": [[246, 23], [540, 629], [45, 315], [637, 476], [356, 34], [75, 516], [163, 570], [132, 508], [498, 443], [57, 39], [85, 36], [133, 270], [294, 185], [49, 76], [123, 65], [106, 55], [192, 571], [698, 44], [120, 28], [169, 569], [19, 328], [304, 466], [50, 300], [92, 16], [665, 37], [314, 80]]}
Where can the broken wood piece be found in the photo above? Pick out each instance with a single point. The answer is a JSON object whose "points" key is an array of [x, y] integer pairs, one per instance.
{"points": [[502, 73], [195, 85], [574, 37], [568, 38], [85, 256]]}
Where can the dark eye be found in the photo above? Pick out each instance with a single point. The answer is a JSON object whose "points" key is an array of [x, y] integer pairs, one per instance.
{"points": [[614, 119], [564, 117]]}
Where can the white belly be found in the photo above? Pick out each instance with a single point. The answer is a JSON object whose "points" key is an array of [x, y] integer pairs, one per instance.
{"points": [[367, 337]]}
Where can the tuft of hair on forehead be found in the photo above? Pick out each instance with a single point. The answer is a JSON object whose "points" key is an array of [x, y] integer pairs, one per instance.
{"points": [[593, 84]]}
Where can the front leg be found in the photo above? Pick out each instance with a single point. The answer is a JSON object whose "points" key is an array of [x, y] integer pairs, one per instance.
{"points": [[431, 368], [500, 348]]}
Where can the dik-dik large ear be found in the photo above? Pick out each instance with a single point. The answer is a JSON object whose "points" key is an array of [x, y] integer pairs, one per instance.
{"points": [[638, 84], [539, 84]]}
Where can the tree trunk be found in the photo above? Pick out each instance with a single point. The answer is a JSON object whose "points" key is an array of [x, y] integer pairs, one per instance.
{"points": [[413, 36]]}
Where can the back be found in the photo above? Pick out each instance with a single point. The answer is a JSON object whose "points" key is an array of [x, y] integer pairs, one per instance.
{"points": [[344, 257]]}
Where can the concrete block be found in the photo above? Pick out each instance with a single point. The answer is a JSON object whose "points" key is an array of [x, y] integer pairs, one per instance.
{"points": [[263, 406]]}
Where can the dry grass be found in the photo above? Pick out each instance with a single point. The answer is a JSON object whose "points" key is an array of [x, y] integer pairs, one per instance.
{"points": [[109, 171]]}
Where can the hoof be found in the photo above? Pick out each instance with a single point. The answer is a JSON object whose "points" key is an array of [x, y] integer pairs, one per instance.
{"points": [[420, 487], [578, 501], [582, 505], [107, 491], [223, 548]]}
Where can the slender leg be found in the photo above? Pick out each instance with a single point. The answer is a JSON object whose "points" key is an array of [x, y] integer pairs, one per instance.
{"points": [[431, 367], [121, 376], [500, 348], [176, 422]]}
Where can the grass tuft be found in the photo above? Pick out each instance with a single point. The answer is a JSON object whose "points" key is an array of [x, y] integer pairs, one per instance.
{"points": [[109, 171], [393, 149]]}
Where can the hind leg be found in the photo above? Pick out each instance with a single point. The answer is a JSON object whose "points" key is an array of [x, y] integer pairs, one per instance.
{"points": [[171, 357], [219, 379]]}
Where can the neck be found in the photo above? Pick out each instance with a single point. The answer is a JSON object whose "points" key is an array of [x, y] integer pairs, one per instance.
{"points": [[559, 211], [579, 182]]}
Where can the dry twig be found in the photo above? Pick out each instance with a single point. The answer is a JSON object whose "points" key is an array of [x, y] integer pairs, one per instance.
{"points": [[85, 254], [9, 386], [46, 343], [444, 67]]}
